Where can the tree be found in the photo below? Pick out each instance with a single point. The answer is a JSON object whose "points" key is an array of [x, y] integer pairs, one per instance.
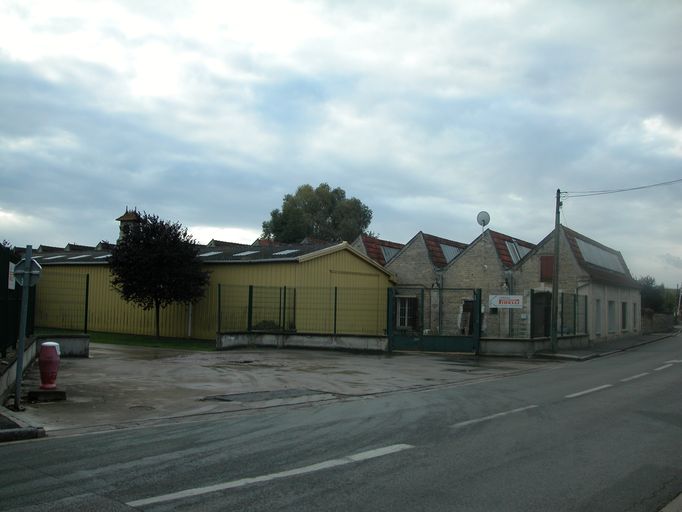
{"points": [[14, 255], [652, 294], [320, 213], [155, 264]]}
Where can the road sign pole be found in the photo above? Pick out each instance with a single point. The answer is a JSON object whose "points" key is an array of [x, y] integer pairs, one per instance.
{"points": [[25, 291]]}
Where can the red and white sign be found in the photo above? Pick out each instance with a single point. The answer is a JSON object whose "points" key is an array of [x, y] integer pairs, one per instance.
{"points": [[506, 301], [11, 282]]}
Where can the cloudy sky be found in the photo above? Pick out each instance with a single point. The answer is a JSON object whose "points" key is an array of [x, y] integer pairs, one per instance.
{"points": [[208, 113]]}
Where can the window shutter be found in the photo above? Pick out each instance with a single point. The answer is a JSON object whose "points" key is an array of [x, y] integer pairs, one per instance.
{"points": [[546, 268]]}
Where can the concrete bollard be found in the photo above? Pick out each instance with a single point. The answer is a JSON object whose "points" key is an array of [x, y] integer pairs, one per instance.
{"points": [[48, 362]]}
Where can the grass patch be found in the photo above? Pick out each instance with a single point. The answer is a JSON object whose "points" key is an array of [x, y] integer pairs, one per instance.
{"points": [[138, 341]]}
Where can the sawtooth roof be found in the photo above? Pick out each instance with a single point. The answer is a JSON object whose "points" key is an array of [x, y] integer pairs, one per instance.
{"points": [[500, 241], [434, 246], [373, 248]]}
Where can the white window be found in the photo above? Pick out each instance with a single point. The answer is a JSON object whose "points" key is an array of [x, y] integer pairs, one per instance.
{"points": [[406, 314], [612, 316], [624, 316], [597, 317], [634, 316]]}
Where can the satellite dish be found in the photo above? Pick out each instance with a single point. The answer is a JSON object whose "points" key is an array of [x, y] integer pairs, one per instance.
{"points": [[483, 218]]}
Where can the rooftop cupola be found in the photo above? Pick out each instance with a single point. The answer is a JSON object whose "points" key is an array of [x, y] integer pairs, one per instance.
{"points": [[128, 218]]}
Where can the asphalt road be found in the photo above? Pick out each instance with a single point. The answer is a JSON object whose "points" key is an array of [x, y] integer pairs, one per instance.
{"points": [[604, 435]]}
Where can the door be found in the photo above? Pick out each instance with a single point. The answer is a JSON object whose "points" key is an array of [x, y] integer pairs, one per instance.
{"points": [[541, 314]]}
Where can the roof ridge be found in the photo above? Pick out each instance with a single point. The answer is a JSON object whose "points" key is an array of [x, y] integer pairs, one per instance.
{"points": [[443, 239]]}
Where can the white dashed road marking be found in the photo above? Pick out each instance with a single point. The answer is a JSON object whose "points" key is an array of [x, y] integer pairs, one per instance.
{"points": [[493, 416], [197, 491], [587, 391], [628, 379], [662, 367]]}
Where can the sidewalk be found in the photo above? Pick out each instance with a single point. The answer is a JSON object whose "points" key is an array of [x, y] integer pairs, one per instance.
{"points": [[121, 386], [608, 347]]}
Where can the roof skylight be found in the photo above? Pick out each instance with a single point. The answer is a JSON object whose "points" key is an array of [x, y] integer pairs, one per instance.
{"points": [[450, 252], [286, 251], [245, 253], [212, 253], [600, 257], [389, 252], [516, 251], [79, 257], [54, 257]]}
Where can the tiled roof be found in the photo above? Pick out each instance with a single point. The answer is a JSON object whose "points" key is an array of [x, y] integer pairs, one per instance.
{"points": [[434, 245], [220, 243], [373, 248], [264, 242], [597, 272], [500, 240], [129, 215], [49, 248], [104, 246], [79, 248]]}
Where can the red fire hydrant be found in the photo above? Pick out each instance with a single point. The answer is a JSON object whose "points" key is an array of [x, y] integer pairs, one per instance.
{"points": [[48, 362]]}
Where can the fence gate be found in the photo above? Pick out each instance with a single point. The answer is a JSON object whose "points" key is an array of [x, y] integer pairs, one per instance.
{"points": [[10, 306], [434, 319]]}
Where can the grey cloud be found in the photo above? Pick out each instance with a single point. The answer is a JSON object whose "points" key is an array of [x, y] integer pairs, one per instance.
{"points": [[673, 261]]}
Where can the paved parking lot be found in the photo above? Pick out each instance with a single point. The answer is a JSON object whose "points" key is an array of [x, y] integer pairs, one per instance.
{"points": [[120, 386]]}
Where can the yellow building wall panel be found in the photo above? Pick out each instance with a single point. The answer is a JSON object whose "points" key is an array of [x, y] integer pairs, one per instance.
{"points": [[360, 301]]}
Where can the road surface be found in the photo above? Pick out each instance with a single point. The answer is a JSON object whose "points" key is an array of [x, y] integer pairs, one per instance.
{"points": [[604, 435]]}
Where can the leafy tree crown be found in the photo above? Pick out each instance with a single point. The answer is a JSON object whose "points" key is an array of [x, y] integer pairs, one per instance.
{"points": [[323, 213], [155, 264]]}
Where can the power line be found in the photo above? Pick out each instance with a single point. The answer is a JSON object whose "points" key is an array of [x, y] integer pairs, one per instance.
{"points": [[587, 193]]}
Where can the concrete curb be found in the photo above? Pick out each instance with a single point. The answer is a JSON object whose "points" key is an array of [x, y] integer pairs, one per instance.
{"points": [[674, 506], [593, 355], [22, 432]]}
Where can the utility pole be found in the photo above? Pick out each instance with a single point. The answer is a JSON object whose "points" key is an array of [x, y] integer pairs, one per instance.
{"points": [[23, 322], [555, 276]]}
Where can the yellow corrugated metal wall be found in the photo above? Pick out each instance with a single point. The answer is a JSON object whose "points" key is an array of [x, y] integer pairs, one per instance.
{"points": [[360, 298], [60, 303]]}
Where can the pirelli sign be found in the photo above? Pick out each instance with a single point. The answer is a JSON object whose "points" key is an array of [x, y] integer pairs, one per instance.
{"points": [[506, 301]]}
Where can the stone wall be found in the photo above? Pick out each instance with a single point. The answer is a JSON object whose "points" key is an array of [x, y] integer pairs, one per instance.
{"points": [[657, 322], [412, 266], [479, 266]]}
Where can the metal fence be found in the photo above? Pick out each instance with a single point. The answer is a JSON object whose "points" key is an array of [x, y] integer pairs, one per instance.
{"points": [[306, 310], [532, 317], [63, 300], [433, 311], [10, 306]]}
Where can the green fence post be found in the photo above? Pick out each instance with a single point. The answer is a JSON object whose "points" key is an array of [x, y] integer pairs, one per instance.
{"points": [[336, 300], [422, 312], [560, 330], [293, 311], [220, 307], [477, 320], [249, 321], [530, 315], [279, 314], [284, 309], [389, 317], [87, 301], [586, 313]]}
